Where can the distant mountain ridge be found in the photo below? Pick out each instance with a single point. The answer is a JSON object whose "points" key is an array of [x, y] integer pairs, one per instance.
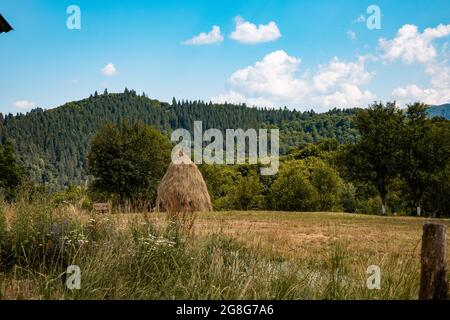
{"points": [[440, 111]]}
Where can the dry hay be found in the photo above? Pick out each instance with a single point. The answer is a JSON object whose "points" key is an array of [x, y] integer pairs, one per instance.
{"points": [[182, 189]]}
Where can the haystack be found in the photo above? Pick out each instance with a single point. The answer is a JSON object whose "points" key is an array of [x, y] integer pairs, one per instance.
{"points": [[182, 189]]}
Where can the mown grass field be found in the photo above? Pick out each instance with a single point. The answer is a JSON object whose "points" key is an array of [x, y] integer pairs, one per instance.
{"points": [[307, 235], [354, 241], [227, 255]]}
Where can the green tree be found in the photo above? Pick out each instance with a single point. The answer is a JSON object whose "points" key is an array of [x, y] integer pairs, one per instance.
{"points": [[374, 158], [127, 162], [425, 151], [415, 162], [221, 182], [327, 183], [61, 136], [436, 196], [292, 190], [247, 194], [11, 173]]}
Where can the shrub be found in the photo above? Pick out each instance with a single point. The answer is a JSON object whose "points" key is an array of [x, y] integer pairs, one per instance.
{"points": [[247, 194], [348, 198], [292, 191], [327, 183], [370, 206]]}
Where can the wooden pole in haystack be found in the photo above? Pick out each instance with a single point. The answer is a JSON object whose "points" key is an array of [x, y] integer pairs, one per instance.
{"points": [[433, 279]]}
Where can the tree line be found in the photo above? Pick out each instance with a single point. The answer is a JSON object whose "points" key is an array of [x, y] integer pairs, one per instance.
{"points": [[398, 163], [52, 145]]}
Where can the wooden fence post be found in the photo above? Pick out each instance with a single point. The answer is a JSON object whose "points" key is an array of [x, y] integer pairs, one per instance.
{"points": [[433, 278]]}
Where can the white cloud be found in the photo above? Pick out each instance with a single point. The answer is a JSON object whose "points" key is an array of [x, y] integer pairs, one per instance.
{"points": [[437, 93], [248, 33], [351, 34], [213, 36], [109, 70], [412, 46], [361, 18], [439, 74], [276, 81], [24, 104], [413, 93]]}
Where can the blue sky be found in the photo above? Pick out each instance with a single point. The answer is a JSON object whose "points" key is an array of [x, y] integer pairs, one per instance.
{"points": [[303, 54]]}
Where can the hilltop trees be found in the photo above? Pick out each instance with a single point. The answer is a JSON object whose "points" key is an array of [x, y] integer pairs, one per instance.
{"points": [[53, 144], [128, 161]]}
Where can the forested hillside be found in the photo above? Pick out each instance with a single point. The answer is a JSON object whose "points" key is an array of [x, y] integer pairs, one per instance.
{"points": [[440, 111], [52, 144]]}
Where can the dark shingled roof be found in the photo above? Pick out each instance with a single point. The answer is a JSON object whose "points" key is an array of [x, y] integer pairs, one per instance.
{"points": [[4, 25]]}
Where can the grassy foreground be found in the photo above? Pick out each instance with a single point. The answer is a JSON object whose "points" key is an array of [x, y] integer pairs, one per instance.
{"points": [[229, 255]]}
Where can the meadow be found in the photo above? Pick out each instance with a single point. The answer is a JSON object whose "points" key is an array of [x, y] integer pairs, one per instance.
{"points": [[226, 255]]}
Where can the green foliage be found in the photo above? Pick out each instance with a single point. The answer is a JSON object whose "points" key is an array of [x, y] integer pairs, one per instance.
{"points": [[327, 183], [369, 206], [11, 173], [292, 189], [322, 149], [400, 156], [247, 195], [221, 182], [404, 155], [375, 157], [306, 185], [72, 195], [425, 152], [437, 194], [127, 162], [348, 197], [38, 238], [235, 187], [52, 145]]}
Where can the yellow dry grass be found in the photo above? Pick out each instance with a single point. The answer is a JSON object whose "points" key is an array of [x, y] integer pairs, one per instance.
{"points": [[309, 235]]}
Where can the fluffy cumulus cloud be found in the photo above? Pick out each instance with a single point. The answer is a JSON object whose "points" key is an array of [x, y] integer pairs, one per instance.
{"points": [[410, 45], [109, 70], [213, 36], [24, 104], [248, 33], [276, 80], [437, 93]]}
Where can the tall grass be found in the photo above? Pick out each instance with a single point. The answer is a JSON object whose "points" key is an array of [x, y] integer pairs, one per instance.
{"points": [[142, 260]]}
